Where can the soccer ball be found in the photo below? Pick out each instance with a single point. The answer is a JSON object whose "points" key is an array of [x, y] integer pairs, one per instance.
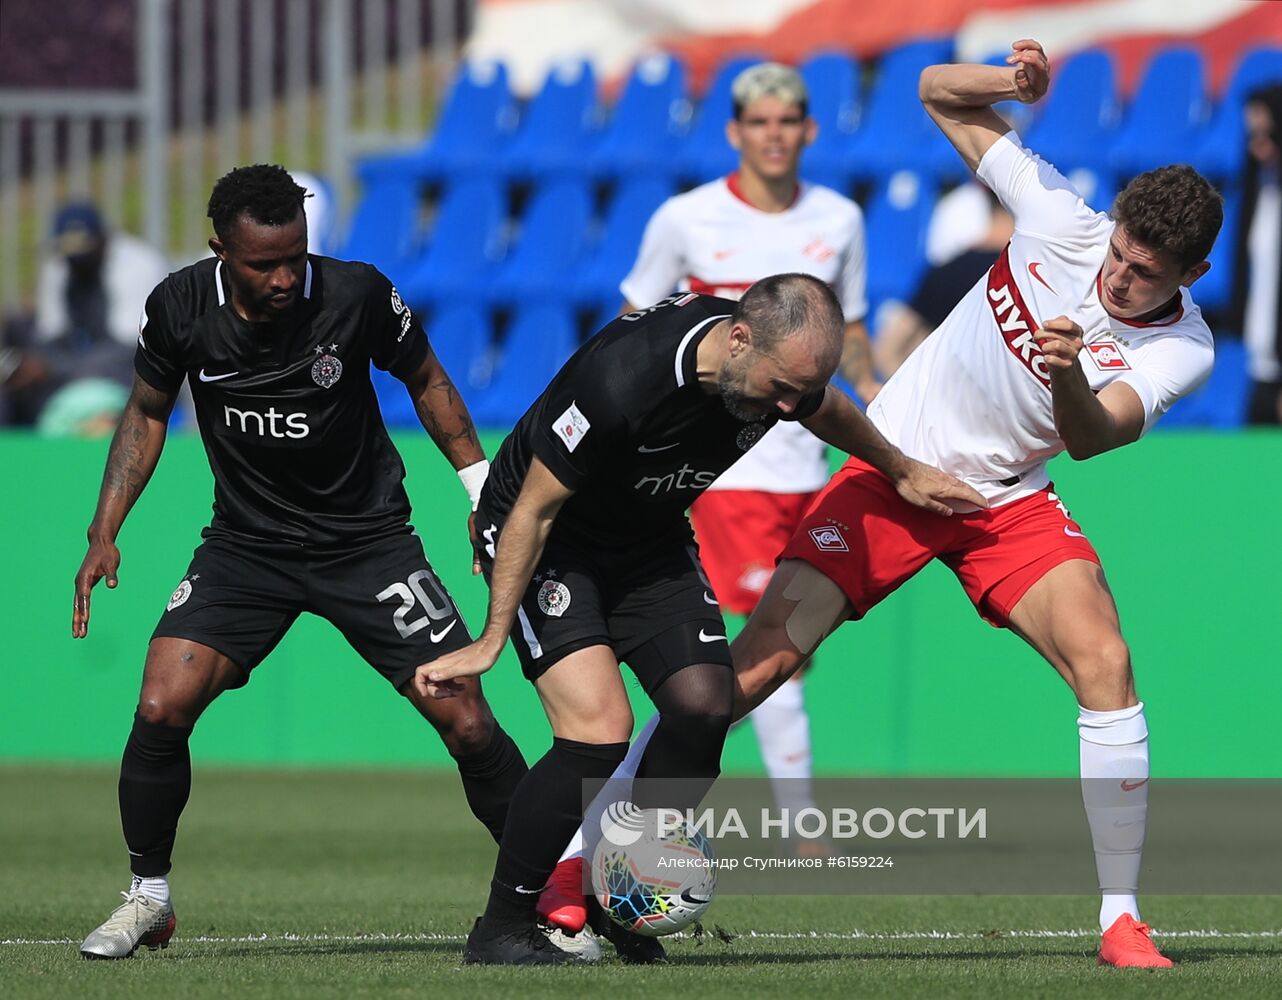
{"points": [[650, 879]]}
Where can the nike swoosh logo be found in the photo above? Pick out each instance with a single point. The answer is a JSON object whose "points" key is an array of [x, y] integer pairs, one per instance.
{"points": [[438, 636], [693, 899], [1033, 270], [709, 599], [704, 637], [215, 378], [1071, 533], [1130, 786], [644, 450], [527, 892]]}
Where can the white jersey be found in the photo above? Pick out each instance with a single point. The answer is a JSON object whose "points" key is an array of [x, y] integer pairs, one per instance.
{"points": [[711, 240], [974, 399]]}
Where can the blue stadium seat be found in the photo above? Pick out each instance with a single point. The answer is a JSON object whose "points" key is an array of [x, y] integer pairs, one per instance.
{"points": [[548, 248], [1221, 152], [539, 341], [1166, 116], [596, 283], [1076, 121], [897, 217], [558, 125], [832, 79], [477, 119], [1221, 403], [467, 241], [1214, 290], [460, 338], [705, 152], [649, 120], [384, 230], [895, 132]]}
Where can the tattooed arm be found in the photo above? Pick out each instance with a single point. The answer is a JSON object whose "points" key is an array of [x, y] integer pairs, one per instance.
{"points": [[135, 450], [443, 413]]}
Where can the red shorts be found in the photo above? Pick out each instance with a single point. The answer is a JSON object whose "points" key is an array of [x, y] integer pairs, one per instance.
{"points": [[741, 533], [868, 540]]}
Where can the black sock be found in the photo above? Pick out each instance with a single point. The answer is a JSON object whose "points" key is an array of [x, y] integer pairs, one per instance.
{"points": [[545, 811], [490, 778], [695, 707], [155, 780]]}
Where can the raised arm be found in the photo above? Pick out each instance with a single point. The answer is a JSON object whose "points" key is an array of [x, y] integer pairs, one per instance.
{"points": [[840, 423], [525, 532], [135, 450], [960, 97]]}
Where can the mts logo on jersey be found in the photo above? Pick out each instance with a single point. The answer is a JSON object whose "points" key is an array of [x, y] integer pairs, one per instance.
{"points": [[1107, 356], [685, 478], [271, 424], [1014, 320]]}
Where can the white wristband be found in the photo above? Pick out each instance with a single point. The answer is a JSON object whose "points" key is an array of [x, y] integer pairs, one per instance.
{"points": [[473, 478]]}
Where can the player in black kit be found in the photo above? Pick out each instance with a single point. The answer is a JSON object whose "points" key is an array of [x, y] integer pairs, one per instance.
{"points": [[310, 513], [591, 559]]}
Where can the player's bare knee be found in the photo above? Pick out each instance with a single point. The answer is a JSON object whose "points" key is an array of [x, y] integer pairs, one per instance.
{"points": [[1102, 678], [162, 709], [468, 733]]}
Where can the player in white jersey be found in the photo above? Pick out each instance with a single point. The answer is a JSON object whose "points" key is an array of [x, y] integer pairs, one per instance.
{"points": [[720, 238], [1078, 339]]}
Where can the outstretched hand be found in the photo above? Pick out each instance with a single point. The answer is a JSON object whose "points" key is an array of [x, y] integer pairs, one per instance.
{"points": [[440, 677], [926, 487], [101, 561], [1032, 70]]}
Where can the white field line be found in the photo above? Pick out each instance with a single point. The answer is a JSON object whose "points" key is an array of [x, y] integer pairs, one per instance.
{"points": [[1081, 932]]}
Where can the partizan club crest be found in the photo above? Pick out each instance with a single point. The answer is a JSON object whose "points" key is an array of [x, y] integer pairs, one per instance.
{"points": [[327, 369], [554, 597]]}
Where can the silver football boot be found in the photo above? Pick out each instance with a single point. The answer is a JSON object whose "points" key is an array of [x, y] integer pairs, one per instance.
{"points": [[138, 921]]}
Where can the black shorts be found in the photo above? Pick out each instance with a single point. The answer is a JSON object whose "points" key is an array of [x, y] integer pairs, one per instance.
{"points": [[240, 596], [652, 605]]}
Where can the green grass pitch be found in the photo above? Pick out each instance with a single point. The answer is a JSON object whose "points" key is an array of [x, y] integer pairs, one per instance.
{"points": [[362, 884]]}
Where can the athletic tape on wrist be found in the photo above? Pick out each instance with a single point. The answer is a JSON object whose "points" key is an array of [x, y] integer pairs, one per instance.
{"points": [[473, 478]]}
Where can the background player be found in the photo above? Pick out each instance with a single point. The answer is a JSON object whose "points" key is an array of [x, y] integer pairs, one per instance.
{"points": [[589, 557], [719, 238], [310, 513]]}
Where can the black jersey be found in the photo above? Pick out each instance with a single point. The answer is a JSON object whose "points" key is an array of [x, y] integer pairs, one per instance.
{"points": [[626, 425], [286, 409]]}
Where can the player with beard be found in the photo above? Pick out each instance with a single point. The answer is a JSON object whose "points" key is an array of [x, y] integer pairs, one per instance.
{"points": [[591, 560]]}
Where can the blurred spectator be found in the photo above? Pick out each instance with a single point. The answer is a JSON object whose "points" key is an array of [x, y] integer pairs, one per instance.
{"points": [[92, 286], [94, 283], [905, 325], [85, 408], [1258, 261]]}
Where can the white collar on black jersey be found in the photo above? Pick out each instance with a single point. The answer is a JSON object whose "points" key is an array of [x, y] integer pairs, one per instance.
{"points": [[686, 362], [222, 292]]}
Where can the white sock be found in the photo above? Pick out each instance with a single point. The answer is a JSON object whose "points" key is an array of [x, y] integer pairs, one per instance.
{"points": [[155, 889], [783, 734], [625, 772], [1114, 765]]}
